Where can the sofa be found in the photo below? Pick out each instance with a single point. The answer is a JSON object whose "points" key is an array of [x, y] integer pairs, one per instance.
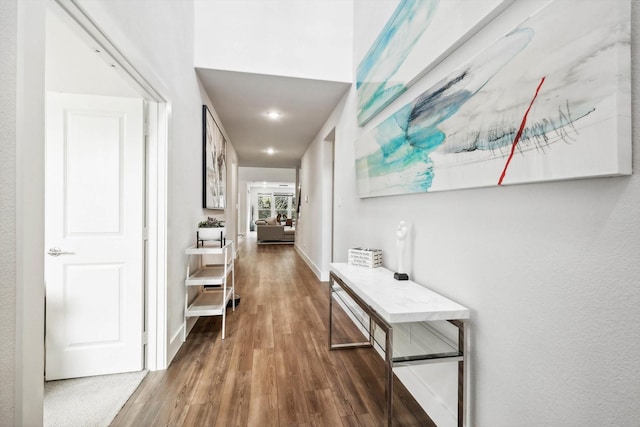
{"points": [[276, 234]]}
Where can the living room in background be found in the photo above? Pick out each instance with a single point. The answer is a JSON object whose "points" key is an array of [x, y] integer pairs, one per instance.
{"points": [[274, 204], [284, 205]]}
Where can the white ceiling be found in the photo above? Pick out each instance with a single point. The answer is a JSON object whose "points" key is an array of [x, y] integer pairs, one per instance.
{"points": [[242, 100]]}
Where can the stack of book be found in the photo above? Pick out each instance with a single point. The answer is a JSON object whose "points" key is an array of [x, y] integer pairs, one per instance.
{"points": [[365, 257]]}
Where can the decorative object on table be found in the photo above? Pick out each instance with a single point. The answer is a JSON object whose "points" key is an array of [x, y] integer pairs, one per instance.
{"points": [[548, 101], [365, 257], [417, 36], [401, 235], [211, 229], [214, 163]]}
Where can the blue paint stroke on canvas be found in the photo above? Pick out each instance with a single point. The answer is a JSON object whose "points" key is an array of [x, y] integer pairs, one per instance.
{"points": [[472, 116], [394, 43]]}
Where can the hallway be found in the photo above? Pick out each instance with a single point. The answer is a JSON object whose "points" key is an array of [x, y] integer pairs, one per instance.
{"points": [[273, 368]]}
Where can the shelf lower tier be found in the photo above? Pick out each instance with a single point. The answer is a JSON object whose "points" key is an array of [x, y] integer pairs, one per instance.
{"points": [[410, 340], [209, 303], [208, 275]]}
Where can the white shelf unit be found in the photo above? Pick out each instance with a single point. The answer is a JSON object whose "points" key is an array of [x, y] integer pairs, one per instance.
{"points": [[213, 281]]}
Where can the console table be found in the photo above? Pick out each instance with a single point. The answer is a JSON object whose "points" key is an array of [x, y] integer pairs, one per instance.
{"points": [[387, 301]]}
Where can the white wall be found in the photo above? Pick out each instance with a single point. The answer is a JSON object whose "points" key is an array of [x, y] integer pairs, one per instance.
{"points": [[8, 119], [229, 215], [309, 39], [313, 228], [549, 271]]}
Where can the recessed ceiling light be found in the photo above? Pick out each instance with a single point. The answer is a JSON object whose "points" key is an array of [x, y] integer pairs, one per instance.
{"points": [[273, 115], [270, 151]]}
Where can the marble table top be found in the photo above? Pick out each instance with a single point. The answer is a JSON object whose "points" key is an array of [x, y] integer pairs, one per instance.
{"points": [[397, 301]]}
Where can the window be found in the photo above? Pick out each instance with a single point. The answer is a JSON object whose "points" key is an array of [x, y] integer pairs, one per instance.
{"points": [[282, 206], [274, 204], [264, 206], [285, 205]]}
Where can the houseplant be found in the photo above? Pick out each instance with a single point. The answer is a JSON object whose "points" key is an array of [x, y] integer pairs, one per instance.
{"points": [[211, 229]]}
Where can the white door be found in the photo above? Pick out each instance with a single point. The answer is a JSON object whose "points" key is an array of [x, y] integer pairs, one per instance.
{"points": [[94, 210]]}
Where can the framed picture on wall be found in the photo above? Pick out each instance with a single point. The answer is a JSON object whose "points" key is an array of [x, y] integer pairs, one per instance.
{"points": [[511, 114], [214, 163]]}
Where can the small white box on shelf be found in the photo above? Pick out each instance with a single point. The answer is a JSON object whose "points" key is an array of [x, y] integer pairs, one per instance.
{"points": [[365, 257]]}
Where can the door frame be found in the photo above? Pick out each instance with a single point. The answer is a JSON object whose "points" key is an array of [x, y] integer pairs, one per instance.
{"points": [[30, 250], [156, 130]]}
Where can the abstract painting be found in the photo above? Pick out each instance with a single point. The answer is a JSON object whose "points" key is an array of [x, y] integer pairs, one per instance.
{"points": [[548, 101], [418, 35], [214, 163]]}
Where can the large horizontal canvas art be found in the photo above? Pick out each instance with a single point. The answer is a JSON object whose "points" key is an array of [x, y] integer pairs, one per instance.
{"points": [[550, 100], [214, 163], [417, 35]]}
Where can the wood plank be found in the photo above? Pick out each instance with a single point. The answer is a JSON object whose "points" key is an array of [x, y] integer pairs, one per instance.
{"points": [[263, 404], [235, 395], [322, 408], [292, 406]]}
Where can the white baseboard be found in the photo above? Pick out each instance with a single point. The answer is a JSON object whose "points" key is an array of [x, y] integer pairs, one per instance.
{"points": [[176, 339], [323, 276], [174, 345], [431, 401]]}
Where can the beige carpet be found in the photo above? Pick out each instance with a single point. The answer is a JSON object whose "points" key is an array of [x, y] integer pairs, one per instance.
{"points": [[91, 401]]}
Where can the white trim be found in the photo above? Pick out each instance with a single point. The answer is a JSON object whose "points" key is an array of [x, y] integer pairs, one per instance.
{"points": [[160, 233], [178, 338], [29, 328], [323, 276], [156, 242], [74, 11]]}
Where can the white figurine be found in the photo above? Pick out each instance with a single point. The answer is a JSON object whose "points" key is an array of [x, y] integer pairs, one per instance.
{"points": [[401, 234]]}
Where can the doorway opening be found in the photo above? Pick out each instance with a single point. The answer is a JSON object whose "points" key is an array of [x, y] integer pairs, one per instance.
{"points": [[329, 184], [81, 59]]}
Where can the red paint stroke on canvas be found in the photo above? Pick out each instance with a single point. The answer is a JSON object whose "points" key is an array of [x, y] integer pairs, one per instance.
{"points": [[519, 134]]}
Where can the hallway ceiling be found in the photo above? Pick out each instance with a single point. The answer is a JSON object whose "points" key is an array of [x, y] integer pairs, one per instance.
{"points": [[242, 100]]}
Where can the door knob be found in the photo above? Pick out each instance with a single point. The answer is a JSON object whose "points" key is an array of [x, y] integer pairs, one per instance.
{"points": [[57, 252]]}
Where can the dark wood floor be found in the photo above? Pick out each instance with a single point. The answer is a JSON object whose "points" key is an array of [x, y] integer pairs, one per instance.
{"points": [[273, 368]]}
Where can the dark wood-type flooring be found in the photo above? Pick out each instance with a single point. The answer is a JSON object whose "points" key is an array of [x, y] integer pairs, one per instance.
{"points": [[273, 368]]}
